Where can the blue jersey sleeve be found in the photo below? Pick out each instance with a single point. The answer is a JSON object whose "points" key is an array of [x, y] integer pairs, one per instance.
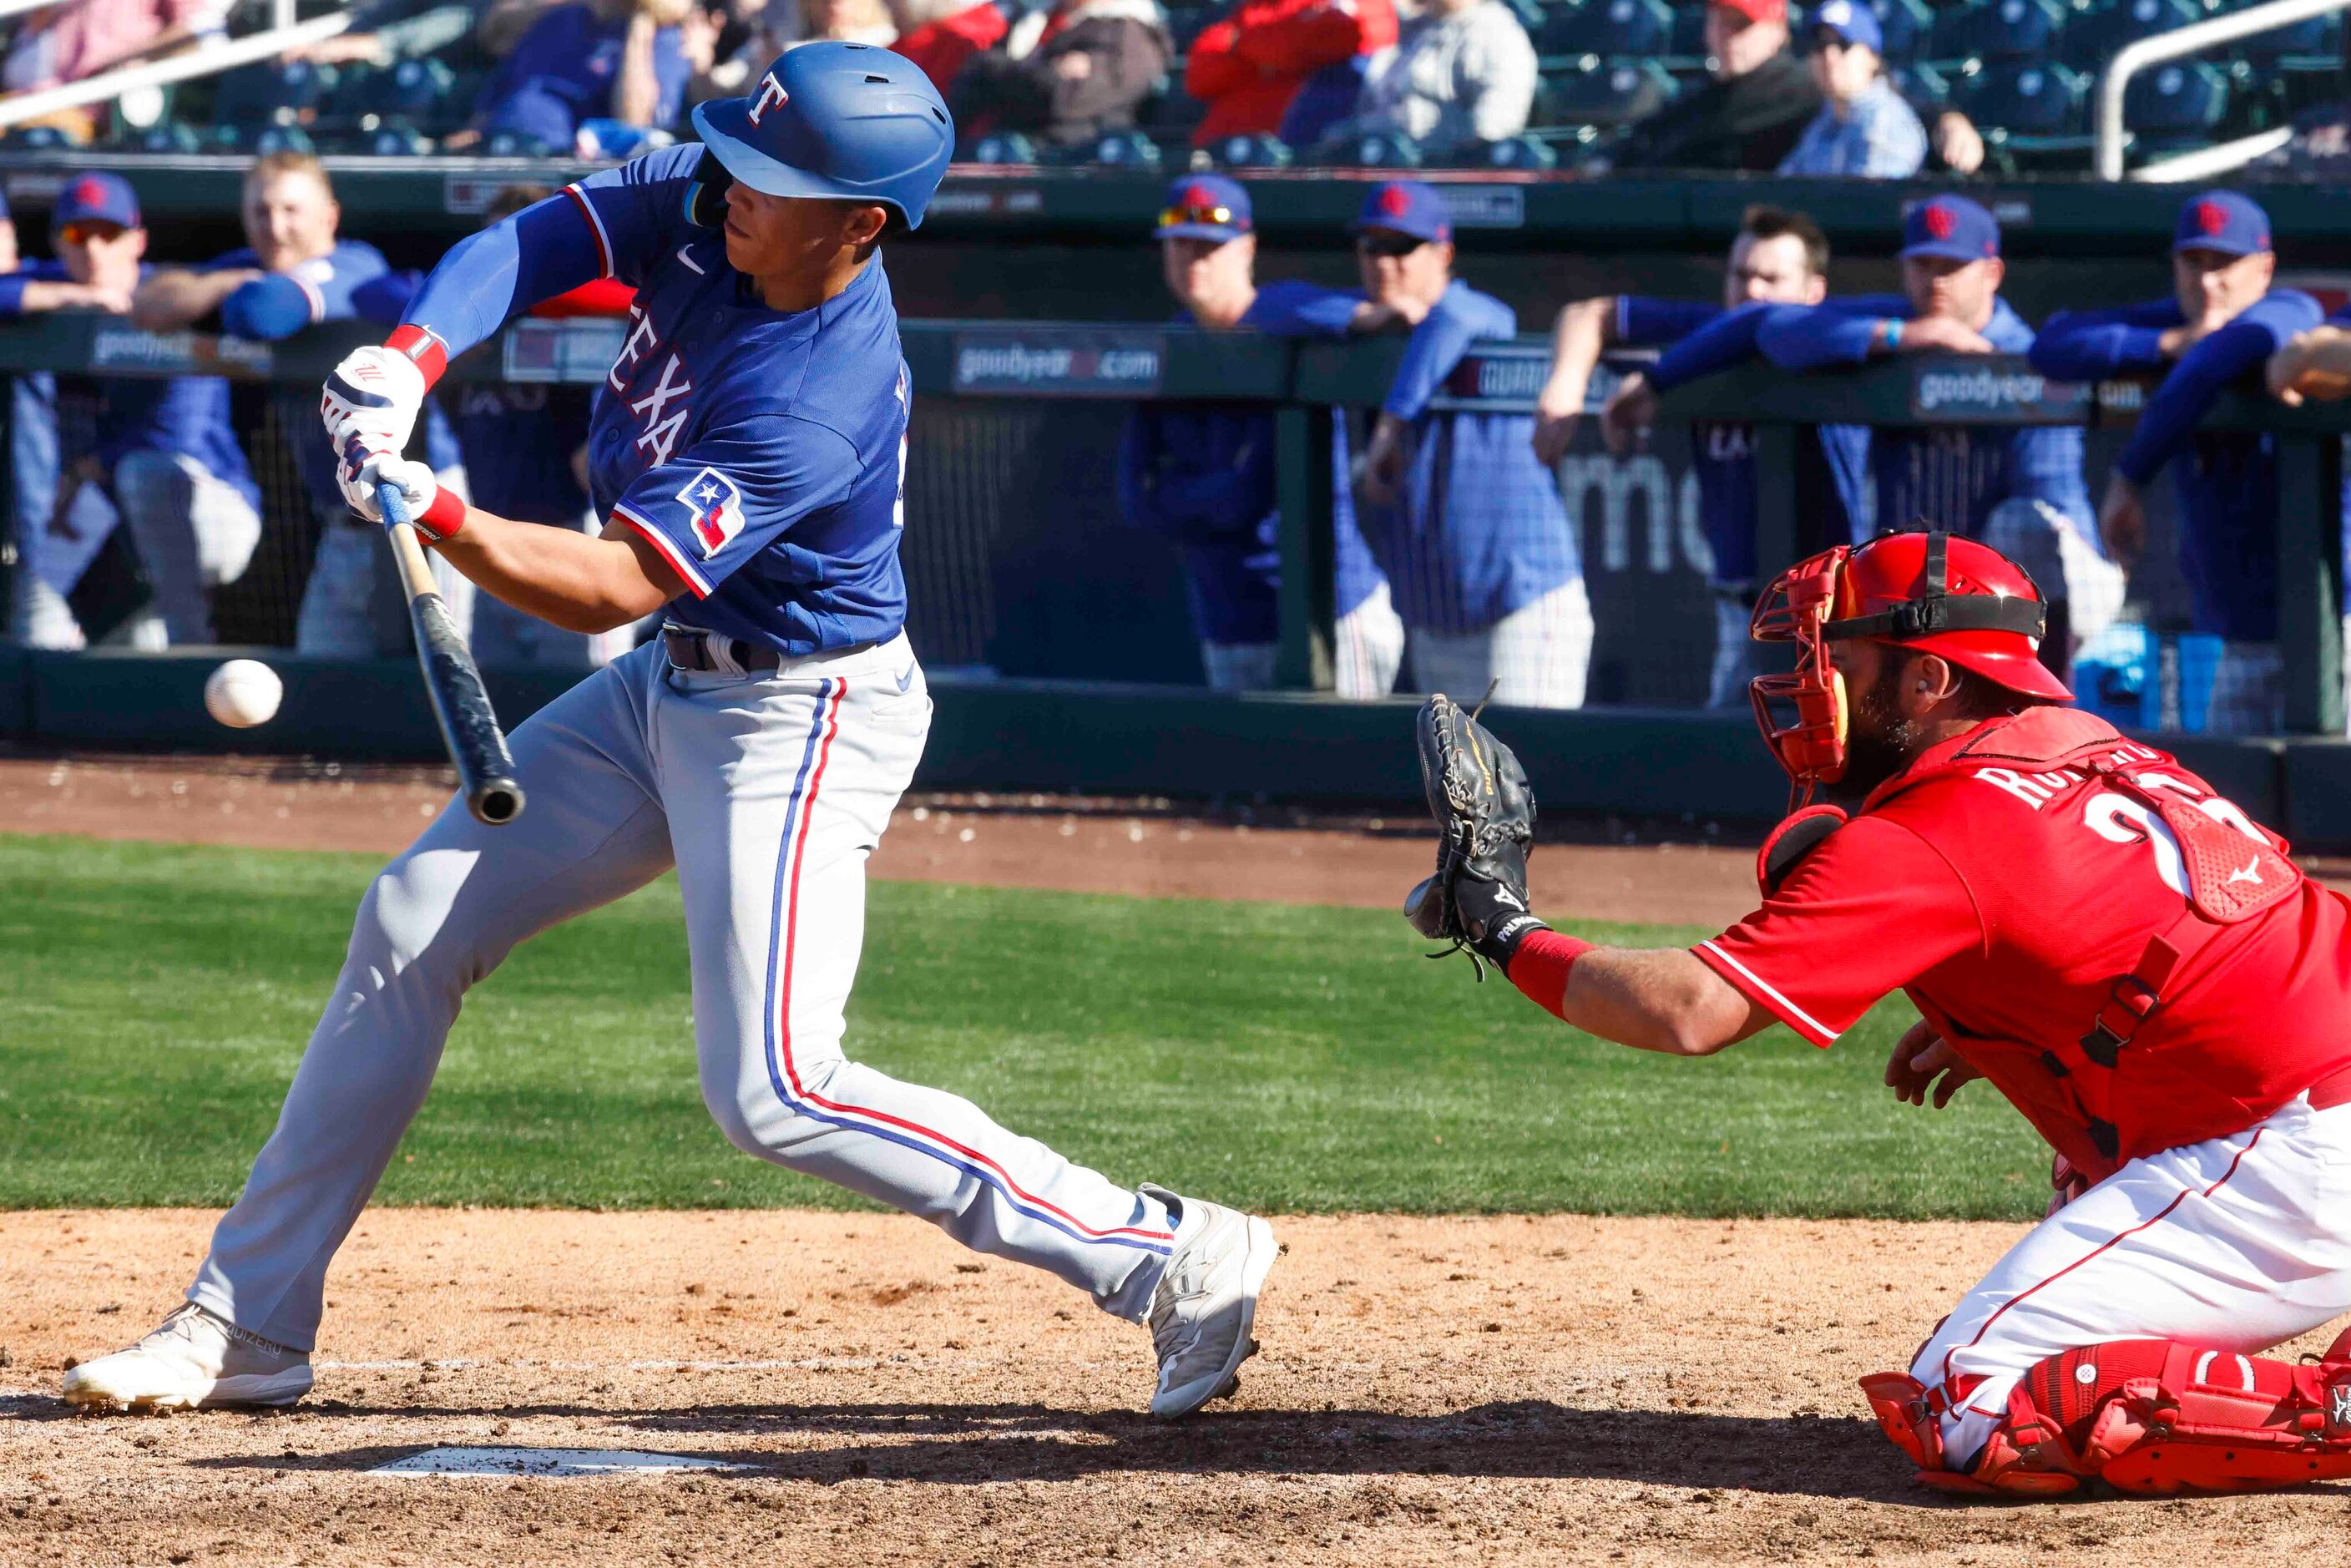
{"points": [[2186, 396], [1460, 317], [1811, 337], [2083, 345], [383, 298], [11, 284], [1294, 308], [1646, 323], [736, 491], [616, 222], [1727, 340]]}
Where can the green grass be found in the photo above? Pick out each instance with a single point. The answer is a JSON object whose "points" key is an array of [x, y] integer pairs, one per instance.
{"points": [[154, 1000]]}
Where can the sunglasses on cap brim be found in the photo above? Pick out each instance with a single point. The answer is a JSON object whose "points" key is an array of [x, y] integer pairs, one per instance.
{"points": [[1220, 217], [83, 230], [1388, 242]]}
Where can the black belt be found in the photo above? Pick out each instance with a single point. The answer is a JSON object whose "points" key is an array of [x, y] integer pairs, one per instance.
{"points": [[691, 650]]}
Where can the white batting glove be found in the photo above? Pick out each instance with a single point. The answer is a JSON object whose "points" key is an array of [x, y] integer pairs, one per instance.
{"points": [[374, 394], [436, 511]]}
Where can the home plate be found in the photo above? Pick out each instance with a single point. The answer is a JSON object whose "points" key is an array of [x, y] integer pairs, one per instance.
{"points": [[545, 1462]]}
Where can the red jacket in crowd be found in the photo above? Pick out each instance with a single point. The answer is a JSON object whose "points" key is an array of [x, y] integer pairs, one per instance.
{"points": [[942, 47], [1246, 67]]}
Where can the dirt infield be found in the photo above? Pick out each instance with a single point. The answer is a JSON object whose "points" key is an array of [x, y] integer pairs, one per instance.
{"points": [[1558, 1389], [1151, 848]]}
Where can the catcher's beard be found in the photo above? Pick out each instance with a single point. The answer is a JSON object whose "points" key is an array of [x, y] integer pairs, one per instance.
{"points": [[1880, 741]]}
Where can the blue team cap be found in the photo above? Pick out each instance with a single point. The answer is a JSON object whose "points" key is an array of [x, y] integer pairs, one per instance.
{"points": [[1406, 207], [1205, 206], [270, 307], [1950, 227], [2223, 220], [97, 199], [1853, 22], [846, 122]]}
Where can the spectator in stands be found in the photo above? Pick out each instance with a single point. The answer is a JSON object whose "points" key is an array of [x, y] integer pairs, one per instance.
{"points": [[1070, 74], [1749, 116], [1202, 475], [848, 22], [2017, 489], [2223, 319], [620, 60], [76, 39], [293, 273], [1778, 258], [1863, 130], [1248, 64], [1468, 526], [940, 36], [155, 455], [1463, 71]]}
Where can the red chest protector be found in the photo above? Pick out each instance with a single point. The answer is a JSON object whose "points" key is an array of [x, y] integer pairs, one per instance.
{"points": [[2234, 871]]}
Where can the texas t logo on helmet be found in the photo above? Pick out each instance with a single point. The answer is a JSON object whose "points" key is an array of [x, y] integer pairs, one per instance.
{"points": [[771, 95], [1933, 591]]}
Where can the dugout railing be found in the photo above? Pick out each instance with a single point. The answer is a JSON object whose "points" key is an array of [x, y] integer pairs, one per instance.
{"points": [[1628, 760]]}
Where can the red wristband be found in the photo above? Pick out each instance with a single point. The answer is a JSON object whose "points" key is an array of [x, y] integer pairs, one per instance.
{"points": [[1540, 968], [446, 514], [423, 346]]}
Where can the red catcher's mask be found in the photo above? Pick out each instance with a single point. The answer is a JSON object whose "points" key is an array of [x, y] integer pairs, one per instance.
{"points": [[1950, 596]]}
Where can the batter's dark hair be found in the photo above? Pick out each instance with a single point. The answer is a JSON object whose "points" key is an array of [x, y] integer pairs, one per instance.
{"points": [[1764, 221]]}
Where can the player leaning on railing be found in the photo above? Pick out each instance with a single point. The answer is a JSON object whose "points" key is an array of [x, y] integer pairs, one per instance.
{"points": [[749, 453], [2080, 920]]}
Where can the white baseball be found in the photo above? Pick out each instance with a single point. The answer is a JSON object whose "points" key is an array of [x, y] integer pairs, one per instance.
{"points": [[243, 693]]}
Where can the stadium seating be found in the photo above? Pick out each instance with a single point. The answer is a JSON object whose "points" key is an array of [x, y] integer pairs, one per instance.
{"points": [[999, 147], [2174, 106], [1611, 29], [2032, 115], [1598, 93], [1987, 31], [1374, 150], [1922, 85], [1518, 153], [2094, 34], [1905, 25], [1250, 153], [1121, 150]]}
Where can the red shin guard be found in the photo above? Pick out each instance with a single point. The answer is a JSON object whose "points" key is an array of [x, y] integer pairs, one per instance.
{"points": [[2152, 1416]]}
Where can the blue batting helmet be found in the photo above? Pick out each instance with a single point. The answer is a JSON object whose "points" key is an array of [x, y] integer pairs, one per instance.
{"points": [[847, 121]]}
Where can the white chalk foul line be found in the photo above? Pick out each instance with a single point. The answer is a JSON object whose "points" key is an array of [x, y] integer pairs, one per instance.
{"points": [[546, 1462]]}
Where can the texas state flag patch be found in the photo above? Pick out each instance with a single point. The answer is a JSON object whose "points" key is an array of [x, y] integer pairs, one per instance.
{"points": [[713, 509]]}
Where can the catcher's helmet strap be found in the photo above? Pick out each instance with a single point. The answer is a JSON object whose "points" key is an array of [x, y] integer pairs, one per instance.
{"points": [[1945, 613]]}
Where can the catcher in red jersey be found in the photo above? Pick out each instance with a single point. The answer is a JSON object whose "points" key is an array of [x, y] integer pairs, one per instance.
{"points": [[2080, 921]]}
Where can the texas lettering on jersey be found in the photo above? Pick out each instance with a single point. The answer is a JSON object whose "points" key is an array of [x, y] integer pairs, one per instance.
{"points": [[661, 410]]}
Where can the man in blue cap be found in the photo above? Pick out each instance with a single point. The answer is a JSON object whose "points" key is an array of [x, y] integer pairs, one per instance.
{"points": [[1468, 526], [748, 451], [293, 271], [2223, 319], [2017, 489], [157, 454], [1865, 131], [1202, 475]]}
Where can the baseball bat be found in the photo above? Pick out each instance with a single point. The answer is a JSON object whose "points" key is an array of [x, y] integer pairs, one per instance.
{"points": [[469, 729]]}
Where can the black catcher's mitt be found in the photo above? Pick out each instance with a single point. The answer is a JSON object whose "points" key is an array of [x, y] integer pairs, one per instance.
{"points": [[1485, 815]]}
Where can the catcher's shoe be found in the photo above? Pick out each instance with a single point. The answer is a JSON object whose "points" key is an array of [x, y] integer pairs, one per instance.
{"points": [[195, 1361], [1207, 1301]]}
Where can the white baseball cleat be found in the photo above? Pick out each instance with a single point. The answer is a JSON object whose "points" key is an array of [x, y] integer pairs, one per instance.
{"points": [[194, 1361], [1207, 1303]]}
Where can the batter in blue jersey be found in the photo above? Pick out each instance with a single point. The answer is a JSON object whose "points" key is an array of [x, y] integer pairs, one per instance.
{"points": [[748, 450]]}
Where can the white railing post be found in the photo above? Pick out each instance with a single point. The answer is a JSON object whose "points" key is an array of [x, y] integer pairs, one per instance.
{"points": [[2193, 38], [107, 86]]}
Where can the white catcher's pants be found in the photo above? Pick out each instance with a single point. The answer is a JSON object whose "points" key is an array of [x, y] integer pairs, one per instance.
{"points": [[2239, 1243], [778, 785]]}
